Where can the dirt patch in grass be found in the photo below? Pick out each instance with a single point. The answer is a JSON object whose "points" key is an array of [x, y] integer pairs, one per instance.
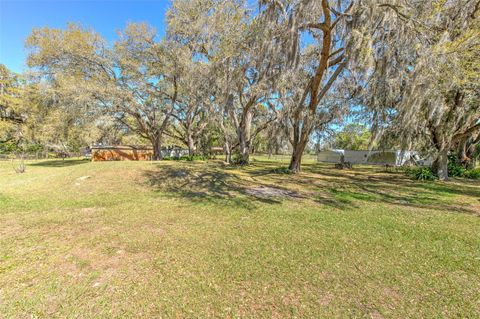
{"points": [[476, 209], [269, 192]]}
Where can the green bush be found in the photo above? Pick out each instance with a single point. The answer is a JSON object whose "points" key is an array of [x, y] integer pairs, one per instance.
{"points": [[11, 147], [472, 173], [8, 147], [237, 160], [33, 148], [421, 173], [454, 168]]}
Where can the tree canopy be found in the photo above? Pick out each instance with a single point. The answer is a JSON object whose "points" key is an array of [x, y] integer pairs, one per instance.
{"points": [[265, 77]]}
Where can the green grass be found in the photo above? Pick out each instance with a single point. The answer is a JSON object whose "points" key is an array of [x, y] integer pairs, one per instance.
{"points": [[198, 239]]}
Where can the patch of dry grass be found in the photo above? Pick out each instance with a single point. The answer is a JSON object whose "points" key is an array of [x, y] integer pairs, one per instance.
{"points": [[198, 239]]}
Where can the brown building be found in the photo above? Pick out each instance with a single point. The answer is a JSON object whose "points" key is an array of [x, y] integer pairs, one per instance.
{"points": [[122, 153]]}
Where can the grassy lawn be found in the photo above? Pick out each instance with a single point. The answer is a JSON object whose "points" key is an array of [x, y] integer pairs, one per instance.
{"points": [[197, 239]]}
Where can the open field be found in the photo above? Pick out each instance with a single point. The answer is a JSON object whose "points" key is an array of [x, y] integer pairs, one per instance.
{"points": [[197, 239]]}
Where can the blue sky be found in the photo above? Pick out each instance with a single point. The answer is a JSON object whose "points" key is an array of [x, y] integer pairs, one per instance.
{"points": [[18, 17]]}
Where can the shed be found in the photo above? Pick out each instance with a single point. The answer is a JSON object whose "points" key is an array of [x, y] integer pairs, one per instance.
{"points": [[121, 153]]}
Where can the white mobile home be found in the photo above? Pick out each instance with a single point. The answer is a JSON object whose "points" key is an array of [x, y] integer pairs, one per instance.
{"points": [[394, 158]]}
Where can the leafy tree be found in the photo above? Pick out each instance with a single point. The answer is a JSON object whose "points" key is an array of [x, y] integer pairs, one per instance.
{"points": [[261, 76], [423, 86], [312, 68], [11, 108], [353, 137], [135, 81], [243, 59], [11, 90], [193, 106]]}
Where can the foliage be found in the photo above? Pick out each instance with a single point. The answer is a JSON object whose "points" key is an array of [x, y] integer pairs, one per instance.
{"points": [[244, 79], [11, 95], [353, 137], [235, 42], [12, 107], [421, 173], [455, 169], [423, 88], [313, 70], [8, 147], [472, 173], [238, 159], [134, 81]]}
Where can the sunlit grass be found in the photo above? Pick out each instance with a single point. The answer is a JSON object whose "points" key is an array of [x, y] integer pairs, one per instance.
{"points": [[200, 239]]}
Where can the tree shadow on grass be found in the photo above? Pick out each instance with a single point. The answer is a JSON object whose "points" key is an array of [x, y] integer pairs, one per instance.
{"points": [[211, 183], [348, 189], [321, 184], [60, 163], [377, 186]]}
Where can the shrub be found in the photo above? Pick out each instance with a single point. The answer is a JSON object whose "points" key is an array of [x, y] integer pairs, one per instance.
{"points": [[8, 147], [20, 167], [237, 160], [455, 169], [199, 157], [33, 148], [472, 173], [421, 173]]}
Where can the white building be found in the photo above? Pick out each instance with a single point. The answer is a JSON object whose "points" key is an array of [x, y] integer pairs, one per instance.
{"points": [[395, 158]]}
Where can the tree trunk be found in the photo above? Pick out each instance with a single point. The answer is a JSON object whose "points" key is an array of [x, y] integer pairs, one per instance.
{"points": [[440, 165], [191, 145], [301, 133], [244, 149], [298, 148], [157, 148], [228, 152], [472, 164], [462, 156], [471, 160], [244, 142]]}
